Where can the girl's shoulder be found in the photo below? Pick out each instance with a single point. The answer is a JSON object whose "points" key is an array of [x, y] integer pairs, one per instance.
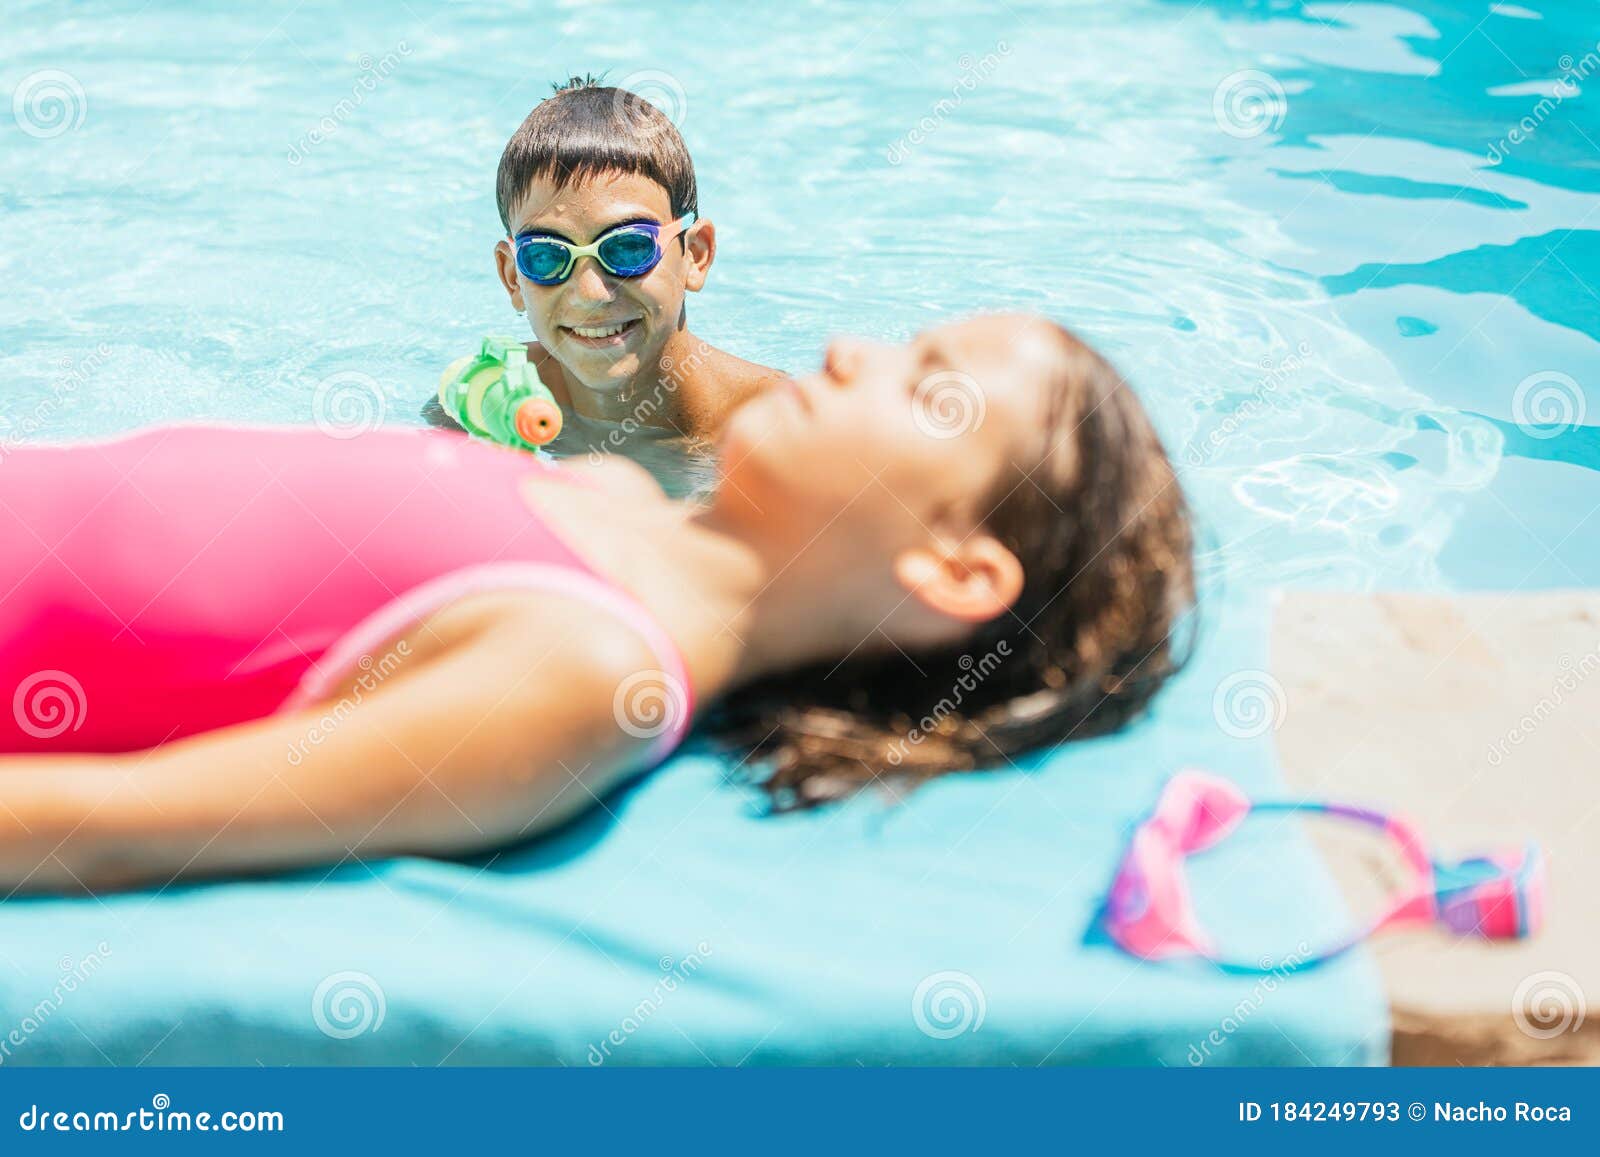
{"points": [[618, 477]]}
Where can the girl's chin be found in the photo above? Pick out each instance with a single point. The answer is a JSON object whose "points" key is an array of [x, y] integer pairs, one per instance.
{"points": [[745, 430]]}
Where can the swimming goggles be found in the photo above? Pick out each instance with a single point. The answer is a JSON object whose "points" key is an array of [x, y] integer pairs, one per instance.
{"points": [[1149, 912], [630, 250]]}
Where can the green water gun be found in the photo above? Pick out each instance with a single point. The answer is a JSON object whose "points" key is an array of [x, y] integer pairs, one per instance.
{"points": [[497, 395]]}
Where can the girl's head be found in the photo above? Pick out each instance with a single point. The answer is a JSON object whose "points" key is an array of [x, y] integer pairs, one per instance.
{"points": [[985, 521]]}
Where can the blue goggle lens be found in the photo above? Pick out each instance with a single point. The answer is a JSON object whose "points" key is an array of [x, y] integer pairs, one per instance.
{"points": [[630, 254], [542, 261]]}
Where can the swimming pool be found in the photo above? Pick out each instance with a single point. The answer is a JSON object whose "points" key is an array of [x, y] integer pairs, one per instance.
{"points": [[1350, 253]]}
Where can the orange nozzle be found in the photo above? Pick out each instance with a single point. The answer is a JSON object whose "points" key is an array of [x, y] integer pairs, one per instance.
{"points": [[538, 421]]}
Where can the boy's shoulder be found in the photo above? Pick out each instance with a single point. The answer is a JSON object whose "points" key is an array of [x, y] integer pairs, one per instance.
{"points": [[436, 415], [730, 379], [733, 370]]}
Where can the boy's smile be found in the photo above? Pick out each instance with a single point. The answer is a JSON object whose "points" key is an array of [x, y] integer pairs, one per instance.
{"points": [[606, 336]]}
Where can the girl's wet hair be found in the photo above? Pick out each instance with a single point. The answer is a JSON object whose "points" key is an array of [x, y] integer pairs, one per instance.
{"points": [[587, 129], [1103, 534]]}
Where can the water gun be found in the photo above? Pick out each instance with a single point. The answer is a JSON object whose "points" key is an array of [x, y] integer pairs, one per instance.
{"points": [[497, 395]]}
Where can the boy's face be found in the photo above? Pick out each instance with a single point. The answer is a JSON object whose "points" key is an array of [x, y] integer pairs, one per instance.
{"points": [[565, 316]]}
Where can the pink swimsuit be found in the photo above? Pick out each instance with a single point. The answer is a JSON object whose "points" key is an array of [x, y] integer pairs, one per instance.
{"points": [[185, 578]]}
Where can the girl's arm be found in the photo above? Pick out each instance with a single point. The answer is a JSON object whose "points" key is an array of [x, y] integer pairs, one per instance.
{"points": [[502, 726]]}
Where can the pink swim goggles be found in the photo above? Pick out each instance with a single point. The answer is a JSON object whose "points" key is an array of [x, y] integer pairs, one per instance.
{"points": [[1149, 912]]}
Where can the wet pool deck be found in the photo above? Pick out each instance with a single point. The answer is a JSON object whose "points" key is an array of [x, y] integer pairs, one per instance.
{"points": [[1478, 716]]}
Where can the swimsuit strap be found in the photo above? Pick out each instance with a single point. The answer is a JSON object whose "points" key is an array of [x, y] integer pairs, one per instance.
{"points": [[663, 700]]}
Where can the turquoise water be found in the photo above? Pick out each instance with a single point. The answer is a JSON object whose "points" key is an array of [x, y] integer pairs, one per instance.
{"points": [[1366, 318]]}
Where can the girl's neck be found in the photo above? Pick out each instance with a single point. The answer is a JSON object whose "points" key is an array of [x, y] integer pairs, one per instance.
{"points": [[771, 612], [735, 615]]}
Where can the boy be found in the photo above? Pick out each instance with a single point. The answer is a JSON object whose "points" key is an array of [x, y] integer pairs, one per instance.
{"points": [[603, 171]]}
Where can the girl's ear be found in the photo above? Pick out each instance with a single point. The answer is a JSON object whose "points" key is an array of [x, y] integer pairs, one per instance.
{"points": [[973, 582], [505, 265], [700, 246]]}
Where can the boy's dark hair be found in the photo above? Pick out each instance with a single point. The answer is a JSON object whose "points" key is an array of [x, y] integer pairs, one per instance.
{"points": [[587, 129]]}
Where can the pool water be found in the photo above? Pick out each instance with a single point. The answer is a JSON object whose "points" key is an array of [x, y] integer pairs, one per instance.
{"points": [[1349, 253]]}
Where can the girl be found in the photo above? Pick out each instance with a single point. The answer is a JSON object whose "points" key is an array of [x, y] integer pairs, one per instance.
{"points": [[234, 650]]}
